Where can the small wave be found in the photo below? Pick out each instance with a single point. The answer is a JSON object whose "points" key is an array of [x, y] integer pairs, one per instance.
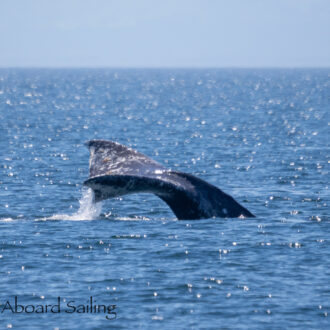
{"points": [[319, 218], [131, 218], [6, 219], [88, 210]]}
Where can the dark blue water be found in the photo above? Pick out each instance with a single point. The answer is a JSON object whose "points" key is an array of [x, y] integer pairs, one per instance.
{"points": [[260, 135]]}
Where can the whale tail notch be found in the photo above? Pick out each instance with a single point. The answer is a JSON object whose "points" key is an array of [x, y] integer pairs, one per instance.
{"points": [[117, 170]]}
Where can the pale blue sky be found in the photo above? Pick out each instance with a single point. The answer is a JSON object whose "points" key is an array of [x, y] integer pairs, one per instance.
{"points": [[165, 33]]}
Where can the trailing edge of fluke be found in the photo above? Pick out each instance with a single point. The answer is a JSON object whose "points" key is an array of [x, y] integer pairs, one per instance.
{"points": [[117, 170]]}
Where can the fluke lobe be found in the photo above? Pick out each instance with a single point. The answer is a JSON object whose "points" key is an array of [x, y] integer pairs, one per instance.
{"points": [[116, 170]]}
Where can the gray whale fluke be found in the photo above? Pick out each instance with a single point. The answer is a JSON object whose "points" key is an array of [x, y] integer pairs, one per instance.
{"points": [[116, 170]]}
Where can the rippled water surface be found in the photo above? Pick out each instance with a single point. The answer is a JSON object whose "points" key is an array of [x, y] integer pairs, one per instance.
{"points": [[260, 135]]}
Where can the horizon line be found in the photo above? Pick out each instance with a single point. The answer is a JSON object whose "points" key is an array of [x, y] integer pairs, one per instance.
{"points": [[162, 67]]}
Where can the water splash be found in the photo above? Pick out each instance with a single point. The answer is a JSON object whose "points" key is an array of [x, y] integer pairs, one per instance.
{"points": [[88, 210]]}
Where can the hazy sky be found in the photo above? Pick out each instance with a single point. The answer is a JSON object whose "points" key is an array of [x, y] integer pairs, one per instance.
{"points": [[165, 33]]}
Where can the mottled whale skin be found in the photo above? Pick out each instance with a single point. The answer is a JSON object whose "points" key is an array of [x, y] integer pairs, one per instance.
{"points": [[117, 170]]}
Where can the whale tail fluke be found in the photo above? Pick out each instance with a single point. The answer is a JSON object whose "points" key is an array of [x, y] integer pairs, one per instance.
{"points": [[117, 170]]}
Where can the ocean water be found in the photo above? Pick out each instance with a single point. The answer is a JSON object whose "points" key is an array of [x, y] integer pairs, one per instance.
{"points": [[260, 135]]}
